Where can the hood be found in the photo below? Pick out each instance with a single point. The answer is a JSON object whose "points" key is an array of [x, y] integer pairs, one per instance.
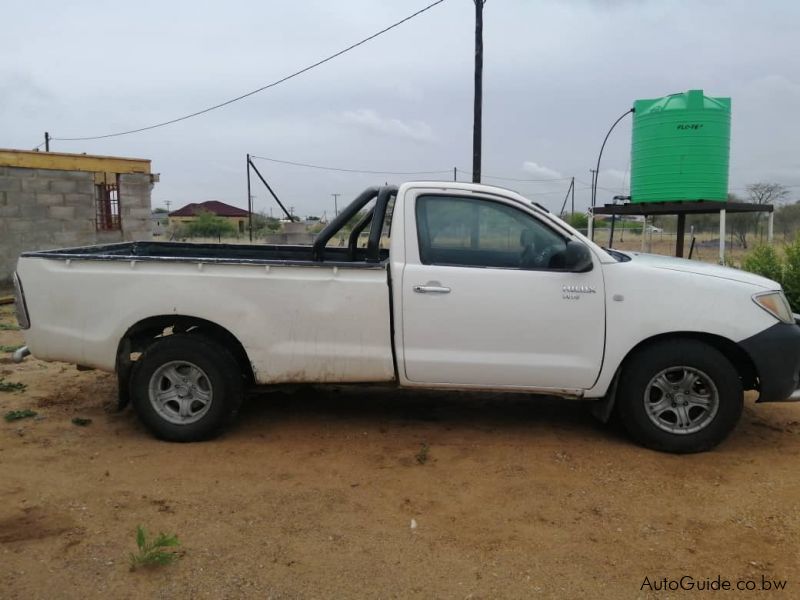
{"points": [[670, 263]]}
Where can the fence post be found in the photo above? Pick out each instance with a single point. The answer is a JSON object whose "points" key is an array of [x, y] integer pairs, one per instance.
{"points": [[770, 226]]}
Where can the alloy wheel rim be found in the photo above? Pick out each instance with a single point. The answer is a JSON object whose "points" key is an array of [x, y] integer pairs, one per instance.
{"points": [[681, 400], [180, 392]]}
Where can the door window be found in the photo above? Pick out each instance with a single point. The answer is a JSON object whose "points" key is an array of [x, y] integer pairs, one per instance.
{"points": [[475, 232]]}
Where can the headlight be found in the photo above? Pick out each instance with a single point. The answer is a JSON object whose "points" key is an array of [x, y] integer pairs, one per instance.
{"points": [[775, 303]]}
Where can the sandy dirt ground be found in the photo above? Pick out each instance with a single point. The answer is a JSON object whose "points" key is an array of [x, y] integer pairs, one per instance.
{"points": [[312, 495]]}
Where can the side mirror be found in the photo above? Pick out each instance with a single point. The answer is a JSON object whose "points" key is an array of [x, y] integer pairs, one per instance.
{"points": [[577, 257]]}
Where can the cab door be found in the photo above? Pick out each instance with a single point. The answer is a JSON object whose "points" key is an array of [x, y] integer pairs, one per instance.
{"points": [[487, 301]]}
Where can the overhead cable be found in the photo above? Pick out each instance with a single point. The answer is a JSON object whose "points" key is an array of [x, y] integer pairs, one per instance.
{"points": [[256, 91], [343, 170]]}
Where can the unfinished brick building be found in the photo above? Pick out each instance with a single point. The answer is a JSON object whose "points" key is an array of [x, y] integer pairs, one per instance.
{"points": [[54, 200]]}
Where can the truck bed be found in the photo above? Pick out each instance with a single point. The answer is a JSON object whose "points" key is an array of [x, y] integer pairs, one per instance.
{"points": [[298, 320], [214, 253]]}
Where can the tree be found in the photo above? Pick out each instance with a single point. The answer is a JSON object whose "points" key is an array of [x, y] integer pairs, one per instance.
{"points": [[207, 224], [765, 193], [787, 220], [740, 224]]}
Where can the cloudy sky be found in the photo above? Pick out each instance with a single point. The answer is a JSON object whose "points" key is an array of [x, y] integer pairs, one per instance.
{"points": [[557, 74]]}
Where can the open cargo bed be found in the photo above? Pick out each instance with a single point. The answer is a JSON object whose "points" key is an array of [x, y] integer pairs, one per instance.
{"points": [[213, 253], [319, 254]]}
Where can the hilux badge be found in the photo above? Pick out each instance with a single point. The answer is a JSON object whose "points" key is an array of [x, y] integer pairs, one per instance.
{"points": [[573, 292]]}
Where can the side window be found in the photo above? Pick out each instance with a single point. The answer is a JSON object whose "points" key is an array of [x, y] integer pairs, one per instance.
{"points": [[475, 232]]}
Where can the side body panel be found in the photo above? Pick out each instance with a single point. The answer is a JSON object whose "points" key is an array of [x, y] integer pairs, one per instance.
{"points": [[297, 324]]}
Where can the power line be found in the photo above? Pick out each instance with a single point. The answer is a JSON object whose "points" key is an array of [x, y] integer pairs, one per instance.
{"points": [[342, 170], [483, 176], [372, 172], [599, 187], [256, 91]]}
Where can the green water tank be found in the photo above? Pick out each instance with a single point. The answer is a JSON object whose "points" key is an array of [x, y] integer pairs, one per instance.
{"points": [[681, 148]]}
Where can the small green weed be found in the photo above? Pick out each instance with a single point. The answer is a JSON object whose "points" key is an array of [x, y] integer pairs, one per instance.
{"points": [[9, 348], [81, 421], [9, 386], [8, 327], [16, 415], [422, 455], [153, 552]]}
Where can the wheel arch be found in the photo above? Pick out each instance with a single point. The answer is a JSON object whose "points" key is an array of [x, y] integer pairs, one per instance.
{"points": [[729, 349], [140, 335], [740, 360]]}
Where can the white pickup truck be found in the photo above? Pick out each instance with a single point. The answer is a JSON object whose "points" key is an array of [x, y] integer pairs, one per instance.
{"points": [[478, 289]]}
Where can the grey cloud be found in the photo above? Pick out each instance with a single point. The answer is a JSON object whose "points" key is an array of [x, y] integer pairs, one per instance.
{"points": [[370, 120], [538, 170]]}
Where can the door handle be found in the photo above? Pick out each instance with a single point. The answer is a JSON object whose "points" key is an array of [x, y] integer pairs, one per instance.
{"points": [[431, 289]]}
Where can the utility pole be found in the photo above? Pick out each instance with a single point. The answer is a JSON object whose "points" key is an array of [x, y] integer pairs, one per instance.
{"points": [[168, 202], [249, 201], [455, 173], [590, 230], [478, 108], [46, 142], [573, 196], [335, 204]]}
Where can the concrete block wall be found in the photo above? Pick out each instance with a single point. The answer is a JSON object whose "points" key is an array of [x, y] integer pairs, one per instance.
{"points": [[42, 209], [135, 206]]}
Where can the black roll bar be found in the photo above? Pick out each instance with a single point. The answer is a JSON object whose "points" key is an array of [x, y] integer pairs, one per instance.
{"points": [[352, 243], [379, 214], [376, 215], [341, 220]]}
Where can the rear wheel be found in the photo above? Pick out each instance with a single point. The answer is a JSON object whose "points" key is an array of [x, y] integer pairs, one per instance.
{"points": [[679, 396], [185, 388]]}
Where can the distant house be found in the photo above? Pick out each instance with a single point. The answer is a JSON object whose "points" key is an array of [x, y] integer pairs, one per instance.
{"points": [[236, 216]]}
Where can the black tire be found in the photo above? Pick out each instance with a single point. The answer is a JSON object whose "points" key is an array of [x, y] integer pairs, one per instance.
{"points": [[218, 378], [655, 366]]}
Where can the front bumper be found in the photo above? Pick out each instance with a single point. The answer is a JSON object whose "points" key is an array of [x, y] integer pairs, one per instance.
{"points": [[775, 352]]}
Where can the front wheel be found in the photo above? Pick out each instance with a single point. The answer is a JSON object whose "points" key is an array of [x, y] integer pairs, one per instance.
{"points": [[679, 396], [185, 388]]}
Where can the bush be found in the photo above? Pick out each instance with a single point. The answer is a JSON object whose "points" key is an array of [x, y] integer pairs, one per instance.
{"points": [[206, 224], [577, 220], [791, 275], [764, 261]]}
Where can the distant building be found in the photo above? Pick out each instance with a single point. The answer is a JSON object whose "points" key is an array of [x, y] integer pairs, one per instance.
{"points": [[55, 199], [236, 216]]}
